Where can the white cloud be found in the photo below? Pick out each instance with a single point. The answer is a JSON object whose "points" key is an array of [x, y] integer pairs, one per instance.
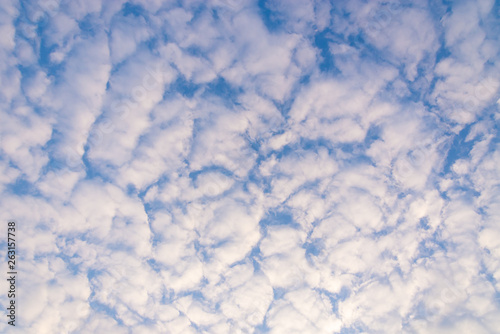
{"points": [[468, 82], [235, 167]]}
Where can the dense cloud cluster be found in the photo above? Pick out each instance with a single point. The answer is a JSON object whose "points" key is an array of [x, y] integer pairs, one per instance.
{"points": [[238, 166]]}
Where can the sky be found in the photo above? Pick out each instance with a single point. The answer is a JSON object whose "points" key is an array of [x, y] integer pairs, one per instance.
{"points": [[243, 166]]}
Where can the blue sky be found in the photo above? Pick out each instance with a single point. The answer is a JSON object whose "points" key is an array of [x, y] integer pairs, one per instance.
{"points": [[237, 166]]}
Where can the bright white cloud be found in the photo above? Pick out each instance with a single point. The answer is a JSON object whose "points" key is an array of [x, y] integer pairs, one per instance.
{"points": [[237, 166]]}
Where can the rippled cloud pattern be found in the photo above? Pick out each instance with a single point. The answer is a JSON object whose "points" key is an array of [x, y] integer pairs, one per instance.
{"points": [[238, 166]]}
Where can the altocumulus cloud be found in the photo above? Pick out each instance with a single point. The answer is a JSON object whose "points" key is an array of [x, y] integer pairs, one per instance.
{"points": [[238, 166]]}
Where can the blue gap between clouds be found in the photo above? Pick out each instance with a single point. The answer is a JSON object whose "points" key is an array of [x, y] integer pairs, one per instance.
{"points": [[271, 20], [213, 168], [222, 89], [52, 69], [355, 329], [100, 307], [334, 298], [274, 22], [22, 187], [322, 41], [429, 246], [278, 217], [88, 26], [91, 171], [182, 86], [459, 148], [41, 25], [133, 9]]}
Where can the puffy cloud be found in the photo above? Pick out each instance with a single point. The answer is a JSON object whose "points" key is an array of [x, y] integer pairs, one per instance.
{"points": [[234, 166]]}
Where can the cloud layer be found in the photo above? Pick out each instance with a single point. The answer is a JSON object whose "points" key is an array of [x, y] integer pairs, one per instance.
{"points": [[237, 166]]}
